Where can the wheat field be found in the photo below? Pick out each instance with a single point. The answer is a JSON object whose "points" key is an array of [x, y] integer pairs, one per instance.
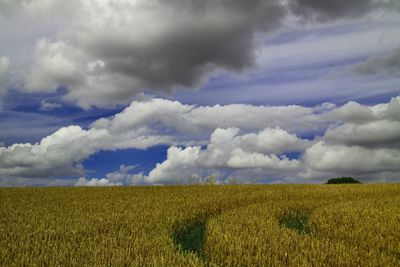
{"points": [[203, 225]]}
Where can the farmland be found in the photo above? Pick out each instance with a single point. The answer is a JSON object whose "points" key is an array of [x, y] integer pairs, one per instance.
{"points": [[208, 225]]}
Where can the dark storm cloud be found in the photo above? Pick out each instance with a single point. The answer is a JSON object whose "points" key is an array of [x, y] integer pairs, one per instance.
{"points": [[108, 52], [185, 41], [182, 57], [326, 9], [118, 49]]}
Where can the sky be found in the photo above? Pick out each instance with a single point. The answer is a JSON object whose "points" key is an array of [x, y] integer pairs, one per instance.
{"points": [[150, 92]]}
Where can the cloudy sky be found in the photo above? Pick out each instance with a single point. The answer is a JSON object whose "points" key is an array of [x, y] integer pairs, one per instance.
{"points": [[121, 92]]}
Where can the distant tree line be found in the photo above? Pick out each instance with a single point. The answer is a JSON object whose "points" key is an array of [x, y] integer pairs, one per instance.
{"points": [[343, 180]]}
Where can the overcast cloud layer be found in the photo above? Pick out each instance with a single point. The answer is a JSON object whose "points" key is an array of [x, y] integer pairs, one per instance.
{"points": [[240, 140]]}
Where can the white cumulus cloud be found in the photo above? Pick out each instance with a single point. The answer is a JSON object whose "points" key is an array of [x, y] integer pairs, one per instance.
{"points": [[365, 143], [228, 150], [119, 177], [323, 159]]}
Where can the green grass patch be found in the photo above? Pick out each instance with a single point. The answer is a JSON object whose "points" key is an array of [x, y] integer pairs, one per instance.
{"points": [[191, 239], [296, 220]]}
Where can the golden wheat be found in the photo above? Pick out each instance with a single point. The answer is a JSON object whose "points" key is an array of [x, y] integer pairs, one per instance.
{"points": [[342, 225]]}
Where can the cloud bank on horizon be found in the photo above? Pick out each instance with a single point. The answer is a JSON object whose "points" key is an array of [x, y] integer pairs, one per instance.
{"points": [[245, 141], [244, 67]]}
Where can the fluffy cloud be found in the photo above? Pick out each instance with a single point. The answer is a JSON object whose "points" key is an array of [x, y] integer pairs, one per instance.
{"points": [[171, 114], [54, 156], [94, 182], [61, 153], [361, 140], [144, 124], [272, 140], [367, 145], [254, 139], [119, 177], [107, 52], [323, 159], [352, 112], [254, 117], [170, 44], [180, 165], [392, 110], [227, 150], [199, 119], [55, 64], [376, 133], [124, 176]]}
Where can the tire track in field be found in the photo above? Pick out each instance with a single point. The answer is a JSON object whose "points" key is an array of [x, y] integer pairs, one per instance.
{"points": [[189, 235]]}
